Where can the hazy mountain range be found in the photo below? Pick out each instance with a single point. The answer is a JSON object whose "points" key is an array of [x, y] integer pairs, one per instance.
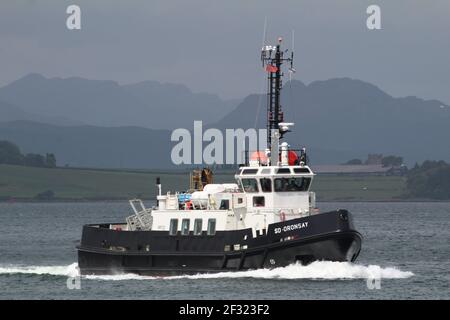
{"points": [[104, 124], [71, 101], [344, 118]]}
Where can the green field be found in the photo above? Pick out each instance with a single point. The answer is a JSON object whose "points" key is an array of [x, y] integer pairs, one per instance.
{"points": [[24, 183], [355, 188]]}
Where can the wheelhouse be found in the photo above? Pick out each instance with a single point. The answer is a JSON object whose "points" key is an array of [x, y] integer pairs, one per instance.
{"points": [[277, 187], [275, 179]]}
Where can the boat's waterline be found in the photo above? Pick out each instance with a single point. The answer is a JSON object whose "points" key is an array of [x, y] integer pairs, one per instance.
{"points": [[318, 270]]}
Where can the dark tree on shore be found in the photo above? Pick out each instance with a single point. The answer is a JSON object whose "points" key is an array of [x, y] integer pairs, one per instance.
{"points": [[10, 153], [430, 180], [34, 160]]}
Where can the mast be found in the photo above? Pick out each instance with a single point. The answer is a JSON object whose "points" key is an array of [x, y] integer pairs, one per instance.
{"points": [[272, 58]]}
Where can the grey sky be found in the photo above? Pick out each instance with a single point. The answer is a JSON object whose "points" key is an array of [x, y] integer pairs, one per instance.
{"points": [[213, 46]]}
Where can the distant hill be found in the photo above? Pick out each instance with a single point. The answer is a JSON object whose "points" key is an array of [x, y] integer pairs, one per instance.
{"points": [[337, 119], [341, 119], [147, 104], [90, 146], [10, 112]]}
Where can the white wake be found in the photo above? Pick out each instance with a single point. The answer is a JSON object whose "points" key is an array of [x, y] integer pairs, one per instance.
{"points": [[319, 270], [68, 271]]}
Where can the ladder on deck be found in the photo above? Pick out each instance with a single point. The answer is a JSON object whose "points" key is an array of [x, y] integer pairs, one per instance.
{"points": [[141, 219]]}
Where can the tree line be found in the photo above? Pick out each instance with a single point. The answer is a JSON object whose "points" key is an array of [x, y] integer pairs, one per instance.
{"points": [[385, 161], [430, 180], [11, 154]]}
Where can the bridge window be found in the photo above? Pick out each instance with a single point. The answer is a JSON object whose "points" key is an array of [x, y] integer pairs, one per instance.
{"points": [[198, 227], [225, 204], [258, 201], [266, 184], [185, 227], [283, 170], [292, 184], [173, 227], [211, 227], [250, 185], [301, 170], [249, 171]]}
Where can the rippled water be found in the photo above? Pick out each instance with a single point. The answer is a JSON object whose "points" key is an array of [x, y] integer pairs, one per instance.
{"points": [[406, 245]]}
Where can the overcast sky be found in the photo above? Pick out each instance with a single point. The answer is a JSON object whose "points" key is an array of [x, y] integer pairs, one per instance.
{"points": [[214, 46]]}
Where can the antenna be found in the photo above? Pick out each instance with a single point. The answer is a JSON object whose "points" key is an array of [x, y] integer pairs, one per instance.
{"points": [[272, 58], [292, 40], [264, 41], [291, 69], [262, 84], [264, 31]]}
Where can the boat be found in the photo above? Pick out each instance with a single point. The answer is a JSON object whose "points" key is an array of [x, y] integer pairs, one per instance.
{"points": [[267, 218]]}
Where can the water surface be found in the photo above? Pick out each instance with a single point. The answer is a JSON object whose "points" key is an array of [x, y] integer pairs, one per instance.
{"points": [[407, 245]]}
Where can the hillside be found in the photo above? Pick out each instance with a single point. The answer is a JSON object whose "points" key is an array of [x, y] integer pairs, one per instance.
{"points": [[341, 119], [90, 146], [148, 104], [337, 120], [10, 112]]}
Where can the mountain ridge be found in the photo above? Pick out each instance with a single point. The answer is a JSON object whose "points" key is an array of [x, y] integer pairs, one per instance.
{"points": [[107, 103], [337, 120]]}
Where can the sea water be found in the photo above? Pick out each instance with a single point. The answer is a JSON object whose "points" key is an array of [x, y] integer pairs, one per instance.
{"points": [[405, 255]]}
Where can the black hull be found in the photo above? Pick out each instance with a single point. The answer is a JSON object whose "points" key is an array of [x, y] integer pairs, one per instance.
{"points": [[328, 236]]}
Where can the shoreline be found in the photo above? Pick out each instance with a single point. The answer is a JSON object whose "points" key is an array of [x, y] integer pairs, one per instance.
{"points": [[37, 185]]}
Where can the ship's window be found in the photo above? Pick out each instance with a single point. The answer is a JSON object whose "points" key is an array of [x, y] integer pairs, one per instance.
{"points": [[265, 171], [283, 170], [173, 227], [185, 227], [211, 227], [225, 204], [250, 185], [301, 170], [240, 200], [266, 184], [292, 184], [249, 171], [198, 227], [258, 201]]}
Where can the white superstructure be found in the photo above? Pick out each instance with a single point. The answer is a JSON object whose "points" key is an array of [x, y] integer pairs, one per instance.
{"points": [[262, 195]]}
